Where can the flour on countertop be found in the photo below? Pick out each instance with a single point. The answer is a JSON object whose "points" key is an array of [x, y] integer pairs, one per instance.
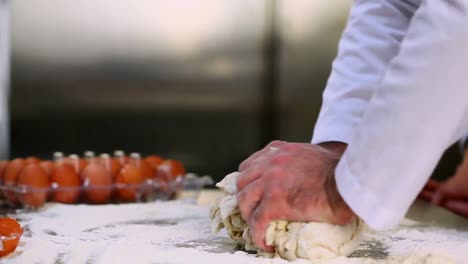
{"points": [[180, 232]]}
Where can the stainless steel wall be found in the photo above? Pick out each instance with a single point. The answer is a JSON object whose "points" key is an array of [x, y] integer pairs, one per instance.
{"points": [[4, 78], [185, 79]]}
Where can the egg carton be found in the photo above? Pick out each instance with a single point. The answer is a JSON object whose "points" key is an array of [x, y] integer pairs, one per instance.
{"points": [[31, 198], [192, 181], [30, 182]]}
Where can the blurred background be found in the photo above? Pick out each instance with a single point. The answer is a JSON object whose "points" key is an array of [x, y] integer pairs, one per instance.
{"points": [[207, 82]]}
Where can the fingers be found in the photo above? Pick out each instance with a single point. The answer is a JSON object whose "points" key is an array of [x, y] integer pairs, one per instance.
{"points": [[426, 195], [448, 192], [438, 197], [458, 207], [260, 221], [258, 202], [429, 189], [432, 185], [249, 198], [273, 146], [246, 177]]}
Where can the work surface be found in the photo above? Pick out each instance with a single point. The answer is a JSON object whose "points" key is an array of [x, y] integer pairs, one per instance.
{"points": [[180, 232]]}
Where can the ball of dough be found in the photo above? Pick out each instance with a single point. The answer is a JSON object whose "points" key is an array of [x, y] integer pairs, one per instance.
{"points": [[292, 240]]}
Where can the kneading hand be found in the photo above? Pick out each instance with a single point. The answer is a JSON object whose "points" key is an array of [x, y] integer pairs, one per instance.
{"points": [[290, 181]]}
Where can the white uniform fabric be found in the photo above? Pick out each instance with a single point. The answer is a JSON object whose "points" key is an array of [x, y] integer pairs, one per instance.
{"points": [[398, 96]]}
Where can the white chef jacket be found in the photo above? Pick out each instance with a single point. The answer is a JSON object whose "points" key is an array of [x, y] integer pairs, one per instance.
{"points": [[398, 95]]}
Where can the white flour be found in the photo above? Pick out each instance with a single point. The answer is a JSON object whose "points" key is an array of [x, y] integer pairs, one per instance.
{"points": [[180, 232]]}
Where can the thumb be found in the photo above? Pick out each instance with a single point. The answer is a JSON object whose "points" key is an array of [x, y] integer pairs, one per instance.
{"points": [[448, 193], [438, 197]]}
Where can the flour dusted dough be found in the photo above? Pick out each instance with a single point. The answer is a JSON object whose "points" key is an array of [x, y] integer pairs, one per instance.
{"points": [[292, 240]]}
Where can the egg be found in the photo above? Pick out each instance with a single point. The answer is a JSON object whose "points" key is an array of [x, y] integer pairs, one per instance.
{"points": [[170, 170], [148, 172], [97, 183], [12, 170], [119, 155], [32, 160], [10, 229], [129, 180], [78, 164], [33, 176], [66, 183], [146, 169], [154, 161], [47, 166], [111, 165], [3, 165]]}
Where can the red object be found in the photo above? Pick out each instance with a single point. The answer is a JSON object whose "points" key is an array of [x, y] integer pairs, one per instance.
{"points": [[10, 232]]}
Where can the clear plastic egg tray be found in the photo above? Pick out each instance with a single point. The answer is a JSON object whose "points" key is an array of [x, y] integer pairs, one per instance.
{"points": [[23, 192], [23, 196]]}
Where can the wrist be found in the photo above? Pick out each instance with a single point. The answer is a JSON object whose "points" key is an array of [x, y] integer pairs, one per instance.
{"points": [[339, 207]]}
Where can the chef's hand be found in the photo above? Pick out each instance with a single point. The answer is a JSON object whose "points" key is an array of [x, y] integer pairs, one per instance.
{"points": [[453, 194], [429, 190], [290, 181]]}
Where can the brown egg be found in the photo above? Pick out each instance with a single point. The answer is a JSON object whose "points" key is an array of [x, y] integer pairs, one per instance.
{"points": [[97, 183], [154, 161], [83, 164], [78, 164], [33, 176], [111, 165], [66, 183], [146, 169], [12, 170], [3, 165], [129, 175], [119, 155], [32, 160], [148, 172], [47, 166], [170, 170]]}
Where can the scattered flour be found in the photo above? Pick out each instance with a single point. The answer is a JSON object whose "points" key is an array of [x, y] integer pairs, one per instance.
{"points": [[180, 232]]}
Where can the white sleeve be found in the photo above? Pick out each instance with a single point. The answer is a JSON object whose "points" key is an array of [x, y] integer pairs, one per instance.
{"points": [[462, 144], [417, 111], [371, 39]]}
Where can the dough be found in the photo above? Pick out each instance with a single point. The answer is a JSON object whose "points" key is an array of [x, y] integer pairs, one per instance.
{"points": [[292, 240]]}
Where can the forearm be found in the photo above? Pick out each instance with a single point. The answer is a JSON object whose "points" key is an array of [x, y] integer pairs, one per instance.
{"points": [[417, 111], [370, 41]]}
